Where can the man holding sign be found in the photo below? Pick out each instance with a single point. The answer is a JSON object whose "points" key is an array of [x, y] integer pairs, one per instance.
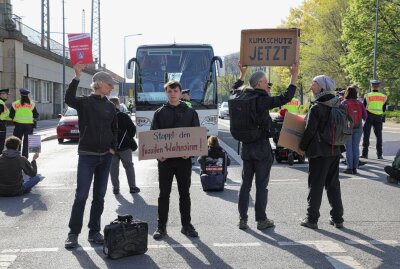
{"points": [[174, 114]]}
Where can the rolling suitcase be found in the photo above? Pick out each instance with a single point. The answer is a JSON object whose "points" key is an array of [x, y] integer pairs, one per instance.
{"points": [[215, 176], [125, 237]]}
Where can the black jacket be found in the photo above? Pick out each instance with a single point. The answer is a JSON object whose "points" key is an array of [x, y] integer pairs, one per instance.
{"points": [[316, 119], [97, 121], [125, 124], [260, 150], [169, 116], [11, 166]]}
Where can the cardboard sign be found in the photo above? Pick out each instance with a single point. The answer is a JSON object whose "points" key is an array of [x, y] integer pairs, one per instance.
{"points": [[80, 48], [292, 131], [34, 143], [174, 142], [270, 47]]}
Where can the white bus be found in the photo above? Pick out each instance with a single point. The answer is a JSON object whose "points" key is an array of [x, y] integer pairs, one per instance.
{"points": [[193, 65]]}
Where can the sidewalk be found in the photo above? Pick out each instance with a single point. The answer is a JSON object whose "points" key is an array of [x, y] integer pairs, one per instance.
{"points": [[45, 128]]}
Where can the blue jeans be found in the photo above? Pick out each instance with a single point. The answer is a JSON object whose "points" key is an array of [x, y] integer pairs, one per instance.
{"points": [[29, 184], [89, 165], [353, 149]]}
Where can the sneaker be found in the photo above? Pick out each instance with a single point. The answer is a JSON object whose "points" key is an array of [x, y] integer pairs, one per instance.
{"points": [[160, 233], [134, 190], [348, 171], [380, 157], [306, 223], [243, 224], [96, 238], [72, 241], [355, 171], [264, 224], [338, 225], [116, 191], [189, 230], [364, 156]]}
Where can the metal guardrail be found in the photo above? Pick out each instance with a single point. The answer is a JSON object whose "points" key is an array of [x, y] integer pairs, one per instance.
{"points": [[35, 37]]}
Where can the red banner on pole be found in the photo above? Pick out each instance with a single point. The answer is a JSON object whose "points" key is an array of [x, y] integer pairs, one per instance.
{"points": [[80, 48]]}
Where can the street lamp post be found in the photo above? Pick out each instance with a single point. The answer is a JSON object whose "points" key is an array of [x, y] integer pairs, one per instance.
{"points": [[123, 84], [376, 38]]}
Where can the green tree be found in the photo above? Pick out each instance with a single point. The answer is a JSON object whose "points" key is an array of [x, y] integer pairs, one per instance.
{"points": [[359, 34]]}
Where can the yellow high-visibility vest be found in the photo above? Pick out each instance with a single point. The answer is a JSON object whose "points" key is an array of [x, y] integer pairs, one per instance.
{"points": [[23, 113], [293, 106], [375, 102], [5, 114]]}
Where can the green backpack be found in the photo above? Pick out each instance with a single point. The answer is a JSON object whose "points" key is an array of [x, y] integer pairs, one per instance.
{"points": [[338, 128]]}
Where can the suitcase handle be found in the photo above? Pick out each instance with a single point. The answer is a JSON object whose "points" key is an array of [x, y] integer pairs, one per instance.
{"points": [[125, 218]]}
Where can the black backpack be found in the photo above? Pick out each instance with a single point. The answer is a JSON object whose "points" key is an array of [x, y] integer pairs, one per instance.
{"points": [[245, 124], [338, 128]]}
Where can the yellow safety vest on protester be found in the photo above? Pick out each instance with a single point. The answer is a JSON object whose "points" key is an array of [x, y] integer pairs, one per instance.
{"points": [[375, 102], [23, 113], [5, 114], [293, 106]]}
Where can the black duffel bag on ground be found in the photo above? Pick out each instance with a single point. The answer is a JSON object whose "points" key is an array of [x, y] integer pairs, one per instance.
{"points": [[125, 237]]}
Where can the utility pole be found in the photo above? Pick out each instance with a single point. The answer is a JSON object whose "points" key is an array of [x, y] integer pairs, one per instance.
{"points": [[45, 31], [83, 21], [95, 32], [376, 38], [63, 85]]}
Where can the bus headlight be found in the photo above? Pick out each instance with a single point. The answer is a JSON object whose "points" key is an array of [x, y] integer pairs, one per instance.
{"points": [[142, 121], [212, 119]]}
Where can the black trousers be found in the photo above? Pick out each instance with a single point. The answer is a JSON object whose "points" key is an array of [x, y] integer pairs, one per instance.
{"points": [[324, 172], [182, 170], [23, 130], [392, 172], [374, 121], [3, 133]]}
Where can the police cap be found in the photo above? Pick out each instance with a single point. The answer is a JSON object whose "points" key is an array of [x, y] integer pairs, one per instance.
{"points": [[24, 91], [5, 90], [375, 82]]}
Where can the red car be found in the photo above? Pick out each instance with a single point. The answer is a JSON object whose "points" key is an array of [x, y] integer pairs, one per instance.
{"points": [[68, 127]]}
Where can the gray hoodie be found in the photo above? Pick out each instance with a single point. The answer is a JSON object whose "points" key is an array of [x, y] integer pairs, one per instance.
{"points": [[11, 166]]}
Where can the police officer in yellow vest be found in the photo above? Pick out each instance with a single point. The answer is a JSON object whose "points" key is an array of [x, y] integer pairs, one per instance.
{"points": [[293, 106], [4, 117], [23, 112], [375, 103], [186, 97]]}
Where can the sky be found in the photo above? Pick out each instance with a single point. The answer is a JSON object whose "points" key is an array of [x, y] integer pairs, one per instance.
{"points": [[214, 22]]}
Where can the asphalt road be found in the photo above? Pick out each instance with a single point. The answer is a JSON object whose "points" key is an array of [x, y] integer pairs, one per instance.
{"points": [[33, 227]]}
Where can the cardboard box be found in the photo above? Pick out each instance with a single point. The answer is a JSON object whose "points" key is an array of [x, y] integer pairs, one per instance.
{"points": [[174, 142], [270, 47], [292, 131]]}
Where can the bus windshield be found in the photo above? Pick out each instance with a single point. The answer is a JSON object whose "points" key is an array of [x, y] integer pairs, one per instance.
{"points": [[190, 65]]}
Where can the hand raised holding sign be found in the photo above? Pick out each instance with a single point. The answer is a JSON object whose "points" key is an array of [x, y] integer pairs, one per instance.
{"points": [[294, 72]]}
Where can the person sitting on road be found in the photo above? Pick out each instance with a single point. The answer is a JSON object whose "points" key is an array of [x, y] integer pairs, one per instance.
{"points": [[394, 170], [215, 153], [11, 166]]}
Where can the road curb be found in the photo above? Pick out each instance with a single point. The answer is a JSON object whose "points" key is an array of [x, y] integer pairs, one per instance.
{"points": [[51, 137]]}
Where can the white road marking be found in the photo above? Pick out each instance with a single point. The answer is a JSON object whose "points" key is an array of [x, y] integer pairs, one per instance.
{"points": [[237, 244], [372, 242], [322, 245], [30, 250], [344, 262], [173, 246], [6, 260]]}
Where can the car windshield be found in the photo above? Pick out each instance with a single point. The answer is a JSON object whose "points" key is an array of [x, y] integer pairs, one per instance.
{"points": [[70, 112]]}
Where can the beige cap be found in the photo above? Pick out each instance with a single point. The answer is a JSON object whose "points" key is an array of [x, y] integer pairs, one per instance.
{"points": [[105, 77]]}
